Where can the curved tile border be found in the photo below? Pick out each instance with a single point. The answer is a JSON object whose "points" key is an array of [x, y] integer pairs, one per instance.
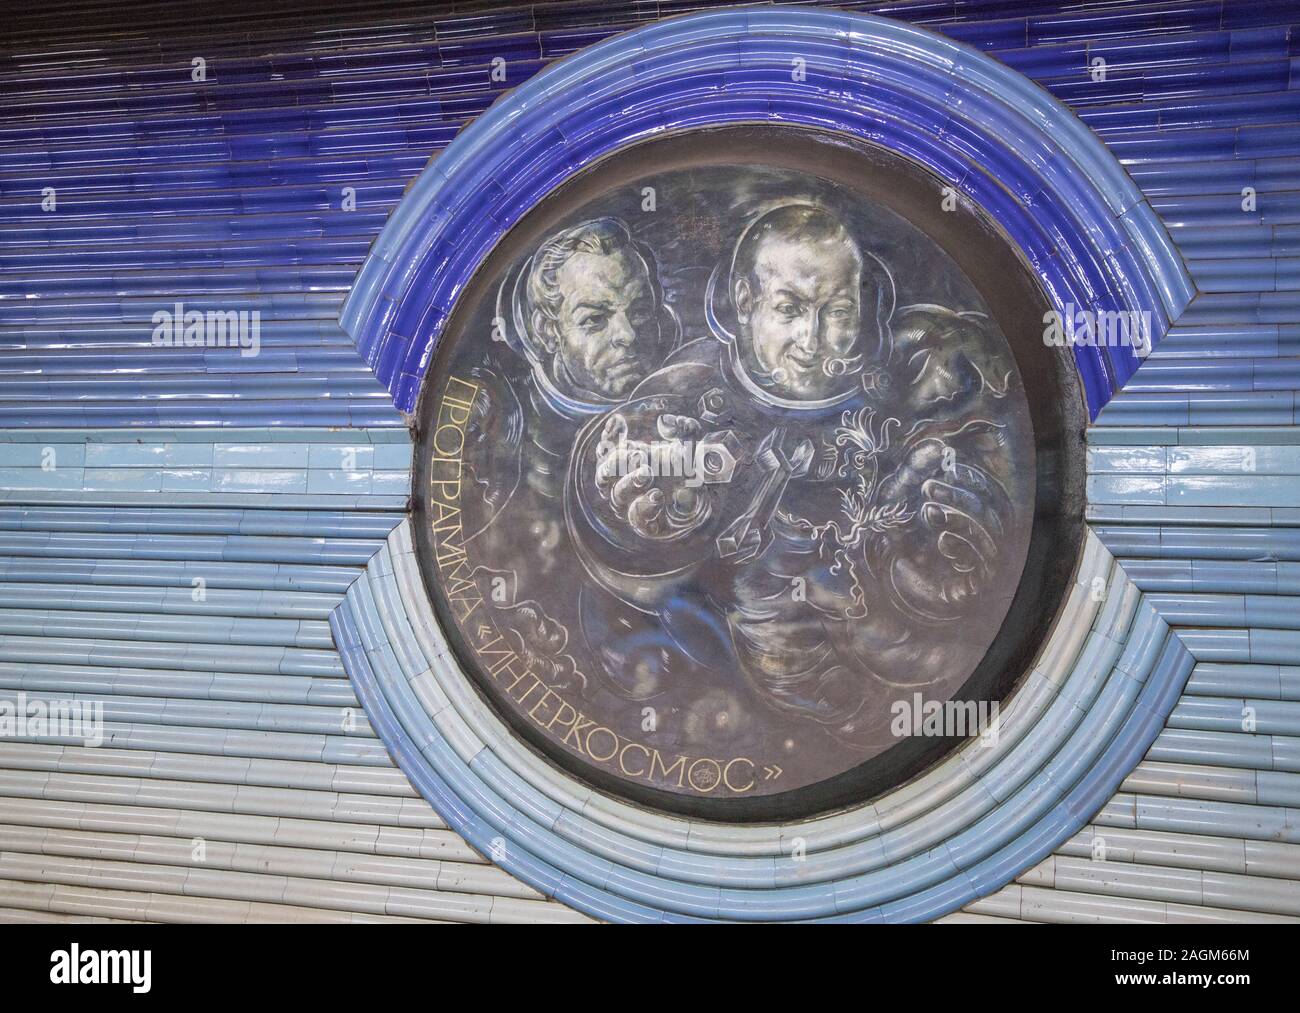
{"points": [[1083, 718], [1109, 673], [989, 132]]}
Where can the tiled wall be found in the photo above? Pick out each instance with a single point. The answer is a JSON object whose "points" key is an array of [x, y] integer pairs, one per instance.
{"points": [[231, 720]]}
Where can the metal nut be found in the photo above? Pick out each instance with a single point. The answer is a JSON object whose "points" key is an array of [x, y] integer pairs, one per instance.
{"points": [[716, 457], [711, 404]]}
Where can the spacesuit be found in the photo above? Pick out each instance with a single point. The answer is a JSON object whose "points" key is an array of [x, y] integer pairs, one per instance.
{"points": [[578, 323], [849, 504]]}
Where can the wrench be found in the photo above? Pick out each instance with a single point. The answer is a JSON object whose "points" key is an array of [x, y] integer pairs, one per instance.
{"points": [[745, 537]]}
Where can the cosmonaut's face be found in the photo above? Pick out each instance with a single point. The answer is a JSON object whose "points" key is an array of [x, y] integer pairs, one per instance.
{"points": [[801, 312], [608, 326]]}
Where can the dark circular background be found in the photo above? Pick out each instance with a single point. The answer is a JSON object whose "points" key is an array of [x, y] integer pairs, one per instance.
{"points": [[992, 269]]}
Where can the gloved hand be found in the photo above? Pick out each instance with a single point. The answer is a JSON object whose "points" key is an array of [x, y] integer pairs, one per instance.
{"points": [[951, 554], [650, 486]]}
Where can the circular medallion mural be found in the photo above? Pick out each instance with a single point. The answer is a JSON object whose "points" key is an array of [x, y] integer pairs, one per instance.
{"points": [[748, 485]]}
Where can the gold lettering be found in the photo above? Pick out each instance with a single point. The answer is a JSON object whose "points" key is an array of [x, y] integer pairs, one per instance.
{"points": [[549, 710], [591, 752], [576, 729], [726, 774], [679, 766], [622, 761]]}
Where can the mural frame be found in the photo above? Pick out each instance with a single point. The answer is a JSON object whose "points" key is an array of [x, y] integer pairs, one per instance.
{"points": [[1056, 404], [1107, 674]]}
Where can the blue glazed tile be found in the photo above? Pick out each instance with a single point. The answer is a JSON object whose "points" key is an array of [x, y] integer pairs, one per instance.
{"points": [[998, 35], [896, 108], [644, 50]]}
